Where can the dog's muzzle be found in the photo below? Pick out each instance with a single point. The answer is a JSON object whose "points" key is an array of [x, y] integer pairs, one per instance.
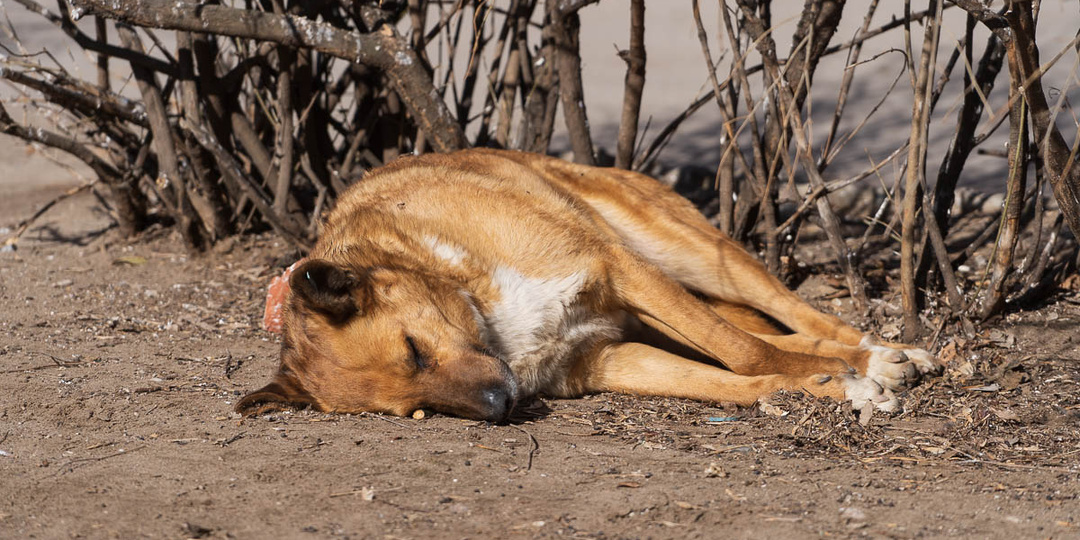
{"points": [[498, 403], [498, 400]]}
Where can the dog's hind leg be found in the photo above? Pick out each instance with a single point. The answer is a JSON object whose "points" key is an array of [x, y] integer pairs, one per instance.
{"points": [[746, 318], [635, 368], [669, 232]]}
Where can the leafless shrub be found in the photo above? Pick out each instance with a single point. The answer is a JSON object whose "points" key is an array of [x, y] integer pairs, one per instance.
{"points": [[259, 114]]}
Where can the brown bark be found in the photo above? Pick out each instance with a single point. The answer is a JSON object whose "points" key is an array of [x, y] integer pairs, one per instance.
{"points": [[229, 166], [285, 144], [634, 85], [384, 49], [538, 118], [169, 178], [216, 214], [101, 33], [566, 28], [1058, 161], [1008, 233], [916, 168]]}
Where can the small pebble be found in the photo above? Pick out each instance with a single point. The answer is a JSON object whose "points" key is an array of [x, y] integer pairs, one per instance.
{"points": [[851, 513]]}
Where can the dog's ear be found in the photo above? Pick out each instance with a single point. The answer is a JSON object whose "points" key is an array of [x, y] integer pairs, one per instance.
{"points": [[327, 288], [284, 391]]}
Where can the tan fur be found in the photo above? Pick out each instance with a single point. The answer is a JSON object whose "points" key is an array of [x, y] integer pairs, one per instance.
{"points": [[464, 282]]}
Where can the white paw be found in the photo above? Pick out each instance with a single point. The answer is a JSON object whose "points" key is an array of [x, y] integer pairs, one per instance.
{"points": [[924, 361], [861, 391], [896, 369]]}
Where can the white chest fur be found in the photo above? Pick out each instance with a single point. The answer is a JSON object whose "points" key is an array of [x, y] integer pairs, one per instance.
{"points": [[538, 326]]}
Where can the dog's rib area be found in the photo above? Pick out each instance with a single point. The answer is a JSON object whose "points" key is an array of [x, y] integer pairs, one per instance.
{"points": [[539, 326]]}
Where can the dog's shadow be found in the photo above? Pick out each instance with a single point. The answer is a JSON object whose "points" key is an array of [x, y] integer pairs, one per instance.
{"points": [[536, 409]]}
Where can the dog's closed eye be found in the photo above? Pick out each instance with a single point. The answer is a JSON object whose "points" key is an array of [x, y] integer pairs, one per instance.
{"points": [[415, 356]]}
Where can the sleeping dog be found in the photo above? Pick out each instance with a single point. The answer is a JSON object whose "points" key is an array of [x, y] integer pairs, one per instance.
{"points": [[464, 282]]}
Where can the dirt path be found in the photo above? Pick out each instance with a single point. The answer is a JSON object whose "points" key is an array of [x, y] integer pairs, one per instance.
{"points": [[121, 363]]}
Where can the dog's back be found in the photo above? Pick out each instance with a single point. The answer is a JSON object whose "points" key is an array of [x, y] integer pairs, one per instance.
{"points": [[483, 200]]}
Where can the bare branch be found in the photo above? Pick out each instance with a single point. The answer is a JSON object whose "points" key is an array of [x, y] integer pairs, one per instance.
{"points": [[383, 49], [93, 45], [916, 169], [634, 84], [164, 146], [231, 167], [992, 20], [131, 207], [566, 28]]}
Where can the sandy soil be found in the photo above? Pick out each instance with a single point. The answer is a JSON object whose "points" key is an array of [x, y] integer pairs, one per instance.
{"points": [[121, 363]]}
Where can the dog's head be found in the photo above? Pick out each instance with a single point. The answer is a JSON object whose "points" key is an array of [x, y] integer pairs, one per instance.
{"points": [[384, 339]]}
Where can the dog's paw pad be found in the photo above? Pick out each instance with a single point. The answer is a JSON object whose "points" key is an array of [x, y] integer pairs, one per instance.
{"points": [[861, 391]]}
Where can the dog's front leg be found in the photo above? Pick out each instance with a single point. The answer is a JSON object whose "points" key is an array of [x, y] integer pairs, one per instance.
{"points": [[665, 305], [635, 368]]}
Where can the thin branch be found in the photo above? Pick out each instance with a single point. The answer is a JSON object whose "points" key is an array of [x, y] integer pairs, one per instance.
{"points": [[164, 145], [383, 49], [92, 45], [73, 95], [668, 131], [924, 80], [24, 225], [231, 167], [1008, 232], [566, 28], [285, 136], [830, 222], [634, 85], [992, 20]]}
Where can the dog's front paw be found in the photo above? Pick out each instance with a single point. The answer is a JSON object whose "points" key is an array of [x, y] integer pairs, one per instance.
{"points": [[897, 368], [857, 389]]}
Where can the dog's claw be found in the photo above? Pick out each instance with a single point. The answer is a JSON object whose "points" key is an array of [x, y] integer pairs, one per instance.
{"points": [[898, 358]]}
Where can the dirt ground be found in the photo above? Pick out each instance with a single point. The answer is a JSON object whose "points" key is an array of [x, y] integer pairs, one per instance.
{"points": [[121, 362]]}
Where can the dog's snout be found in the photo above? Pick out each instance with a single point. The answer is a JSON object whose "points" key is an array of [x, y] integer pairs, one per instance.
{"points": [[498, 402]]}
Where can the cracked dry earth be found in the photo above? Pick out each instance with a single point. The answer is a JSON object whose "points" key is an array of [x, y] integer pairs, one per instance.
{"points": [[121, 361]]}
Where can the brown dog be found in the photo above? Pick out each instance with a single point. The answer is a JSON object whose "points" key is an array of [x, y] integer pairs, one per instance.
{"points": [[464, 282]]}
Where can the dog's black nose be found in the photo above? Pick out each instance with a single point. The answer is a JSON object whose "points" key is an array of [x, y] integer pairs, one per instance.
{"points": [[497, 404]]}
